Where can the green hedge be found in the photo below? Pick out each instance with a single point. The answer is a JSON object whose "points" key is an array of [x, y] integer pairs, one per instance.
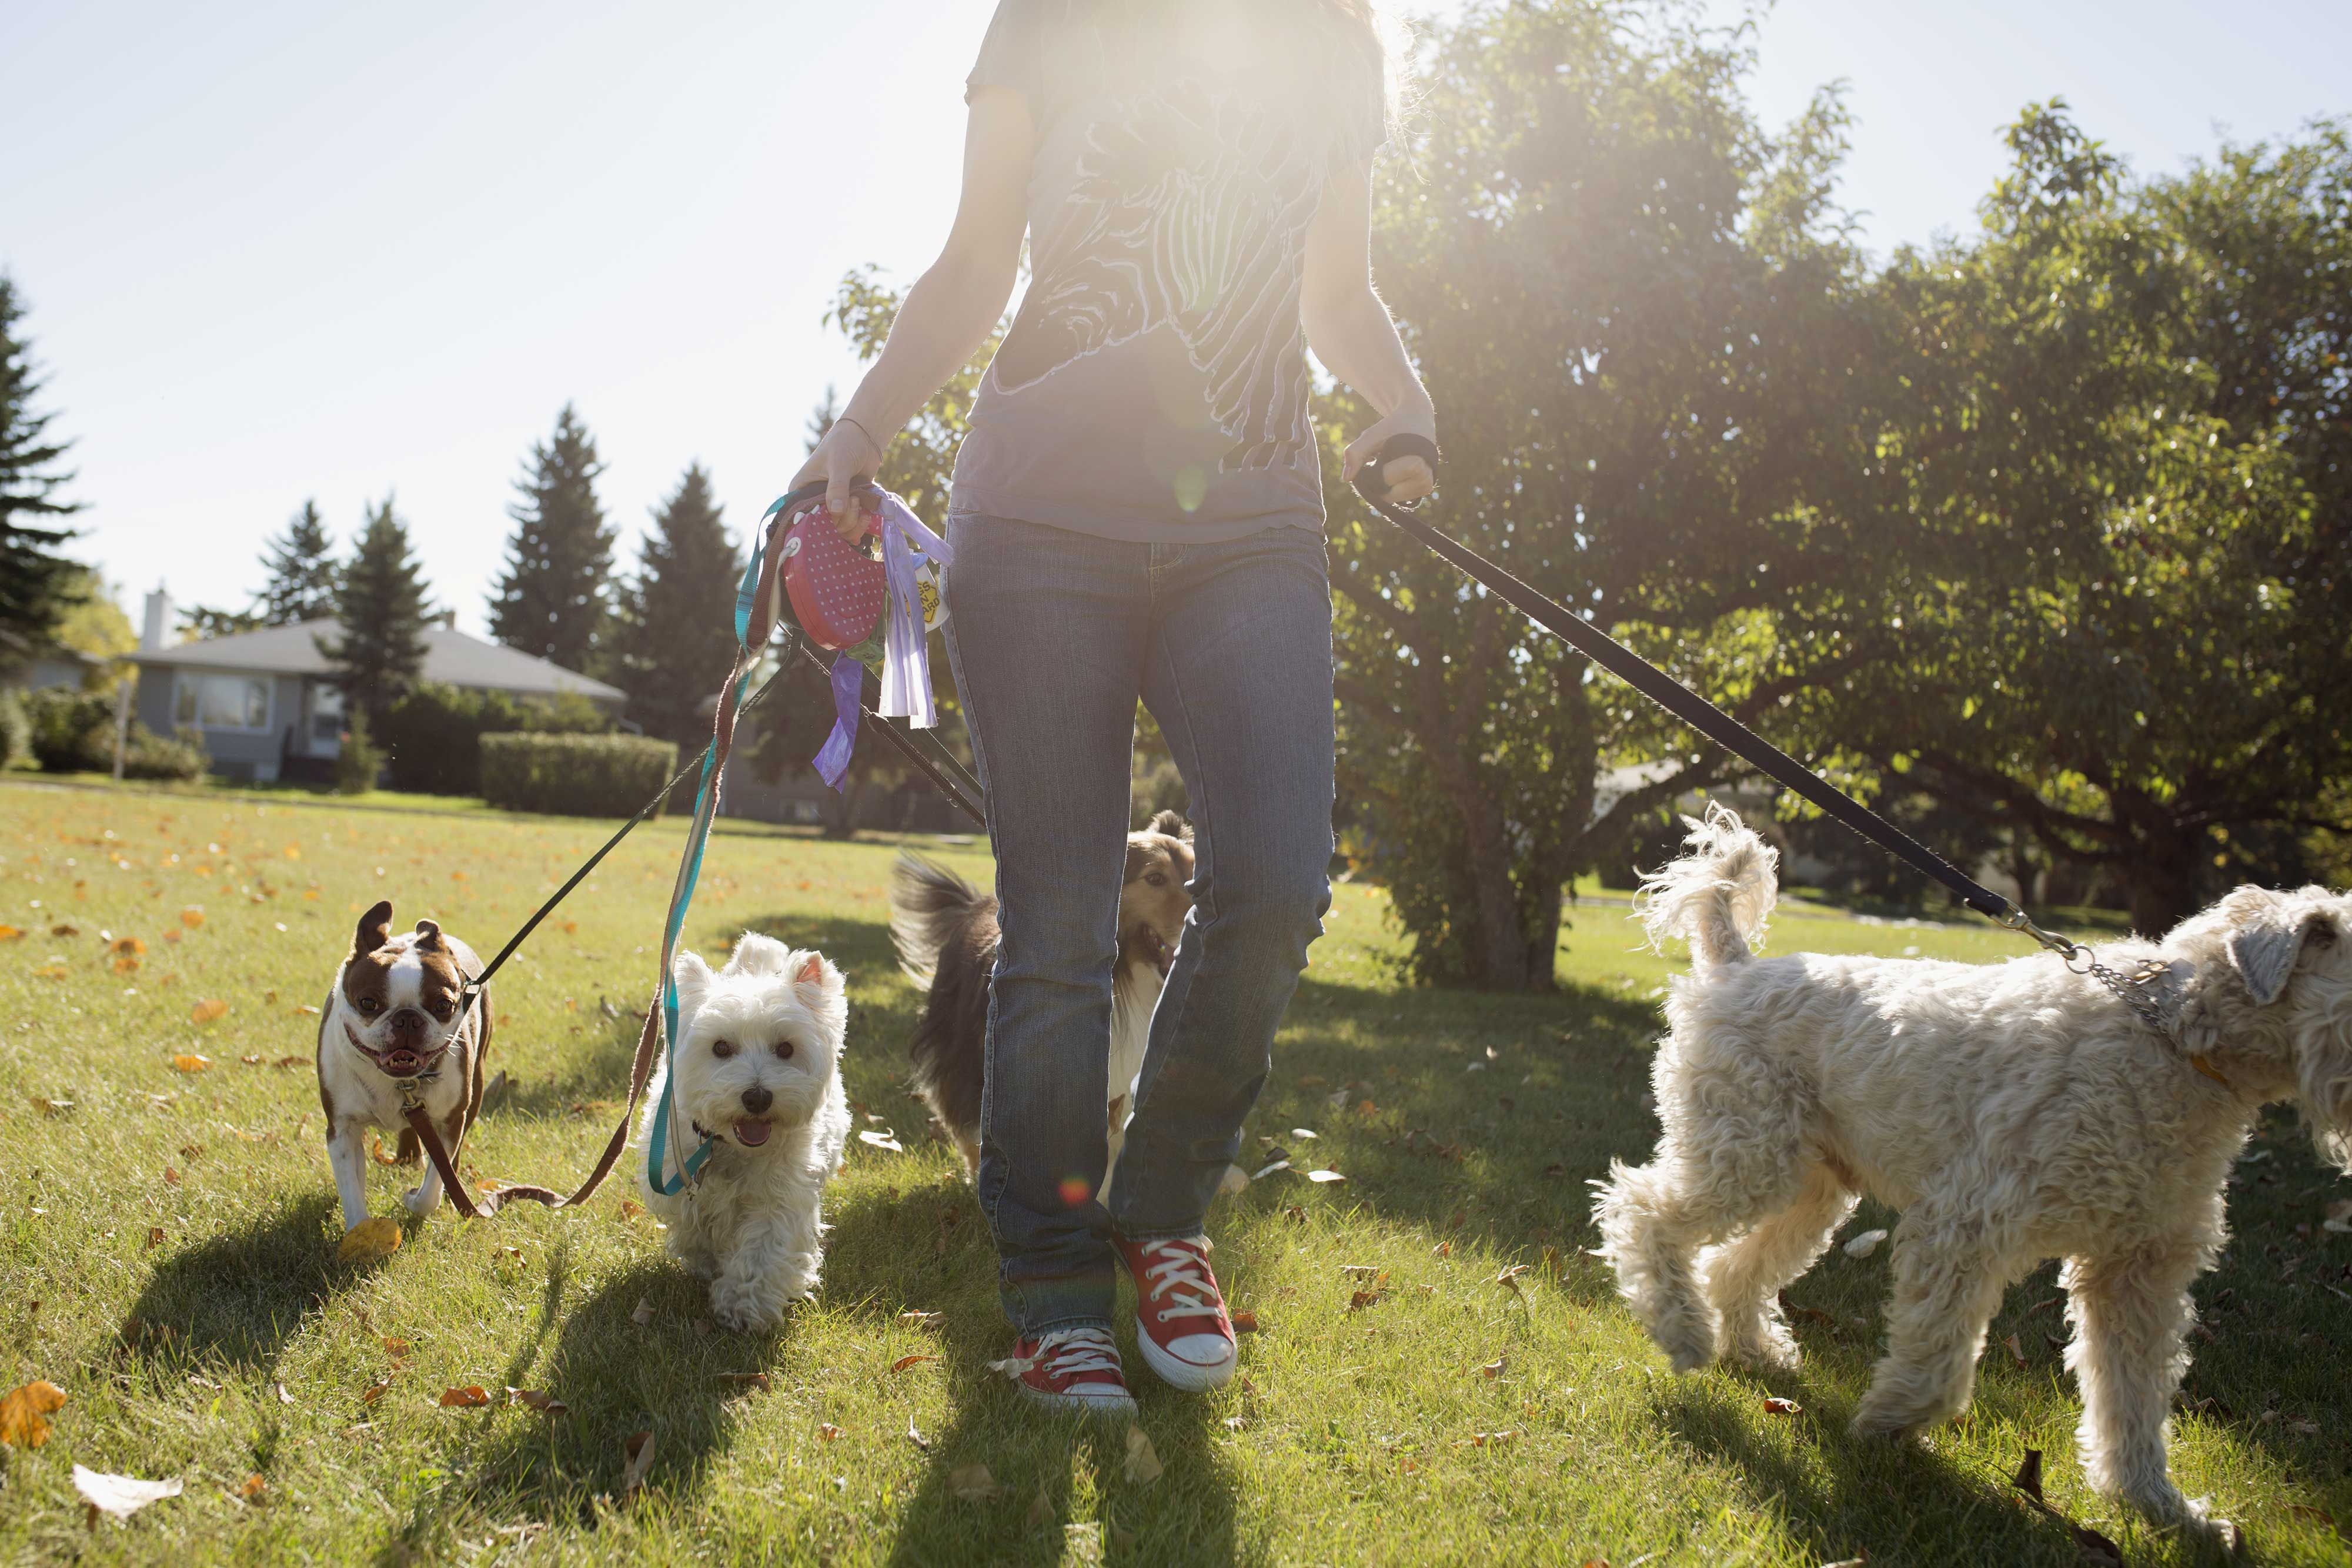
{"points": [[430, 732], [73, 732], [574, 775]]}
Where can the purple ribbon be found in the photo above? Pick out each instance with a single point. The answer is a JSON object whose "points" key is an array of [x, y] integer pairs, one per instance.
{"points": [[832, 763]]}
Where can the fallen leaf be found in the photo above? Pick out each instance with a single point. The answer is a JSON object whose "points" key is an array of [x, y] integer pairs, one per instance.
{"points": [[154, 1236], [127, 948], [1040, 1511], [919, 1320], [24, 1414], [1142, 1467], [191, 1062], [545, 1404], [374, 1391], [470, 1397], [629, 1209], [1864, 1245], [642, 1315], [827, 1432], [253, 1489], [121, 1496], [253, 1060], [283, 1397], [1306, 1132], [1490, 1439], [637, 1458], [369, 1240], [759, 1380], [885, 1139], [192, 915], [171, 1177], [2092, 1549], [375, 1153], [1292, 1214], [1509, 1278], [206, 1011], [291, 1061], [10, 933], [1775, 1406], [2016, 1352], [1267, 1170], [1325, 1176], [394, 1347], [65, 928], [1236, 1423], [904, 1362], [973, 1484], [49, 1107], [1495, 1369], [1244, 1323], [917, 1438], [1362, 1299]]}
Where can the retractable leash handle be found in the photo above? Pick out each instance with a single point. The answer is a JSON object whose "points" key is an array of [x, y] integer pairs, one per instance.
{"points": [[1686, 704]]}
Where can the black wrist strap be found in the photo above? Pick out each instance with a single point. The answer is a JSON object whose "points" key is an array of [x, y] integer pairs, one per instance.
{"points": [[1394, 447]]}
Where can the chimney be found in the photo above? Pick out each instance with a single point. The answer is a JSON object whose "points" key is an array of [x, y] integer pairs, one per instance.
{"points": [[157, 631]]}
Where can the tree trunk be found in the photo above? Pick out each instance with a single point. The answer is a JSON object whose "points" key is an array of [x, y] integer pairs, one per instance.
{"points": [[2160, 880]]}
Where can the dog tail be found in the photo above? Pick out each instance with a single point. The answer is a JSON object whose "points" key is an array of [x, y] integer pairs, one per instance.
{"points": [[1719, 896], [927, 903]]}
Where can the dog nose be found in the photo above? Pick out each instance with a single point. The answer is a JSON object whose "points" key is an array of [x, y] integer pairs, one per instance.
{"points": [[756, 1100], [407, 1021]]}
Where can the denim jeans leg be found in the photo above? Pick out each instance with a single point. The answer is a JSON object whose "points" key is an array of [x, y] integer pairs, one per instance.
{"points": [[1239, 676], [1046, 632]]}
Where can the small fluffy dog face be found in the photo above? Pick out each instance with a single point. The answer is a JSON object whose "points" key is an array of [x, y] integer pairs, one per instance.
{"points": [[758, 1040], [2271, 976], [401, 993], [1153, 898]]}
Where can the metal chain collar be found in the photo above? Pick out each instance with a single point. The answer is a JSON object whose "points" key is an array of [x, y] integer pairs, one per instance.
{"points": [[2132, 990]]}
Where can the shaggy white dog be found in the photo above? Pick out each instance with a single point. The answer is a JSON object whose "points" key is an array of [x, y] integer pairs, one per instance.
{"points": [[758, 1072], [2013, 1112]]}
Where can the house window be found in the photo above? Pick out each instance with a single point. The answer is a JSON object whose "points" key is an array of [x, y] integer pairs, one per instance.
{"points": [[326, 713], [223, 702]]}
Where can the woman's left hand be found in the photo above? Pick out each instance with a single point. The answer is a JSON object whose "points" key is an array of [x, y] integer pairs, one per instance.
{"points": [[1409, 479]]}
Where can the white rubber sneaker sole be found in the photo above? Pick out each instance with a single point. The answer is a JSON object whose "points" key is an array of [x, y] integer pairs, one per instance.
{"points": [[1191, 1376], [1119, 1404]]}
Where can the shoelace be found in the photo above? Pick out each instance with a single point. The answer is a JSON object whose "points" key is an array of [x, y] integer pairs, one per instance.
{"points": [[1180, 1269], [1072, 1353]]}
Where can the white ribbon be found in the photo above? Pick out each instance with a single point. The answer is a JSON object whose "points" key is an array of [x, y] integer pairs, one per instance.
{"points": [[906, 642]]}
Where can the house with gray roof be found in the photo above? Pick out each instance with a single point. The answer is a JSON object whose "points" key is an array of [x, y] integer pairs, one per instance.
{"points": [[265, 703]]}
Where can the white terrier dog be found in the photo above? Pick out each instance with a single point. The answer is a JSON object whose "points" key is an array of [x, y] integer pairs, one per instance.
{"points": [[2013, 1112], [758, 1072]]}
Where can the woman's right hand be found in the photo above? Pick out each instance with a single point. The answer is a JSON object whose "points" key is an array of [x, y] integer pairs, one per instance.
{"points": [[845, 458]]}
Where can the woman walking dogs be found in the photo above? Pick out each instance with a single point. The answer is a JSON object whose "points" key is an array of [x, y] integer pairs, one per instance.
{"points": [[1138, 514]]}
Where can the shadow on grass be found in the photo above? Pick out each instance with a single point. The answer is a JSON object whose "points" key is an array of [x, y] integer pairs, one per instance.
{"points": [[236, 1299]]}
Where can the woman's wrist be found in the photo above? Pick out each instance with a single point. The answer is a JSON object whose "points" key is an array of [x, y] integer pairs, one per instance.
{"points": [[872, 443]]}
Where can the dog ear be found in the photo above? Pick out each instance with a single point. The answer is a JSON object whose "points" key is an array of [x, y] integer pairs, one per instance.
{"points": [[1137, 857], [1173, 824], [2267, 936], [758, 955], [428, 933], [815, 978], [693, 978], [374, 930]]}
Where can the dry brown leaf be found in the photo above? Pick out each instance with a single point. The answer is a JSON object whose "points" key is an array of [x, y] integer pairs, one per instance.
{"points": [[1775, 1406], [759, 1380], [1496, 1367], [394, 1347], [127, 947], [65, 928], [2016, 1351], [545, 1404], [1142, 1467], [1244, 1323], [369, 1240], [1362, 1299], [375, 1390], [2093, 1549], [904, 1362], [253, 1488], [973, 1484], [24, 1414], [375, 1153], [190, 1062], [629, 1209], [252, 1061], [206, 1011], [642, 1315], [192, 915], [154, 1236], [827, 1432], [470, 1397], [291, 1061], [10, 933], [171, 1177], [637, 1458]]}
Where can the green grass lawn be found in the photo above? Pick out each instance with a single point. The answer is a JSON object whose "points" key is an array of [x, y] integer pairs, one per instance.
{"points": [[167, 1257]]}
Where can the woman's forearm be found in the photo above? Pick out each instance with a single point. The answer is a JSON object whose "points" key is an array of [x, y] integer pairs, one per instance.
{"points": [[946, 317], [1357, 342]]}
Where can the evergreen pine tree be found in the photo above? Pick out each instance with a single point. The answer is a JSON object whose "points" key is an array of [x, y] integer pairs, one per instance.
{"points": [[37, 585], [301, 563], [555, 597], [381, 602], [675, 633]]}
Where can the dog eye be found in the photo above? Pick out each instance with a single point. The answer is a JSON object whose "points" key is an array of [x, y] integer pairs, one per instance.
{"points": [[1156, 880], [784, 1050], [369, 1004], [722, 1049]]}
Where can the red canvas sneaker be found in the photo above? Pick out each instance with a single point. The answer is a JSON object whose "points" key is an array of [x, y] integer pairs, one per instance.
{"points": [[1070, 1369], [1180, 1318]]}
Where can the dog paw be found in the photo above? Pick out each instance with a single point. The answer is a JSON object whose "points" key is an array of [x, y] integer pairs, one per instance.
{"points": [[416, 1201]]}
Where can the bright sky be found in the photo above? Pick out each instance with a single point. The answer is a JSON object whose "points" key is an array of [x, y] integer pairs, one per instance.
{"points": [[282, 250]]}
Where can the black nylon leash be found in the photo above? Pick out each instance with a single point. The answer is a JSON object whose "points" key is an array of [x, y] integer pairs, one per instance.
{"points": [[1726, 731]]}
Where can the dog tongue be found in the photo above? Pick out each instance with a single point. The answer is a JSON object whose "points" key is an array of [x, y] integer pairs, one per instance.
{"points": [[750, 1134]]}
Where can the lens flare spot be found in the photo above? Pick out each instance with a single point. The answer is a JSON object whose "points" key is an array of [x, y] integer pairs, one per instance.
{"points": [[1074, 1190], [1192, 487]]}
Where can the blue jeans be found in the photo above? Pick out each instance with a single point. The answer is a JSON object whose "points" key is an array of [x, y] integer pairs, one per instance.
{"points": [[1054, 635]]}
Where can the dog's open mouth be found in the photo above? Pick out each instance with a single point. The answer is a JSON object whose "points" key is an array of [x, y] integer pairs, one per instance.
{"points": [[397, 1061], [751, 1133], [1148, 942]]}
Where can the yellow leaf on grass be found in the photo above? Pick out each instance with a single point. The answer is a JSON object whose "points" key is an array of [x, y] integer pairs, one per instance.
{"points": [[189, 1061], [192, 915], [208, 1009], [24, 1414], [253, 1487], [127, 948], [1142, 1467], [470, 1397], [10, 933], [904, 1362], [369, 1240]]}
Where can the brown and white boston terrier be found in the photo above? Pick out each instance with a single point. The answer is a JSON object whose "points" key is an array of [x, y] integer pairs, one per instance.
{"points": [[394, 1017]]}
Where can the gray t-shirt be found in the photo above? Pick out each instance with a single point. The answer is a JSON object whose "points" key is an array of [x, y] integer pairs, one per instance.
{"points": [[1154, 383]]}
